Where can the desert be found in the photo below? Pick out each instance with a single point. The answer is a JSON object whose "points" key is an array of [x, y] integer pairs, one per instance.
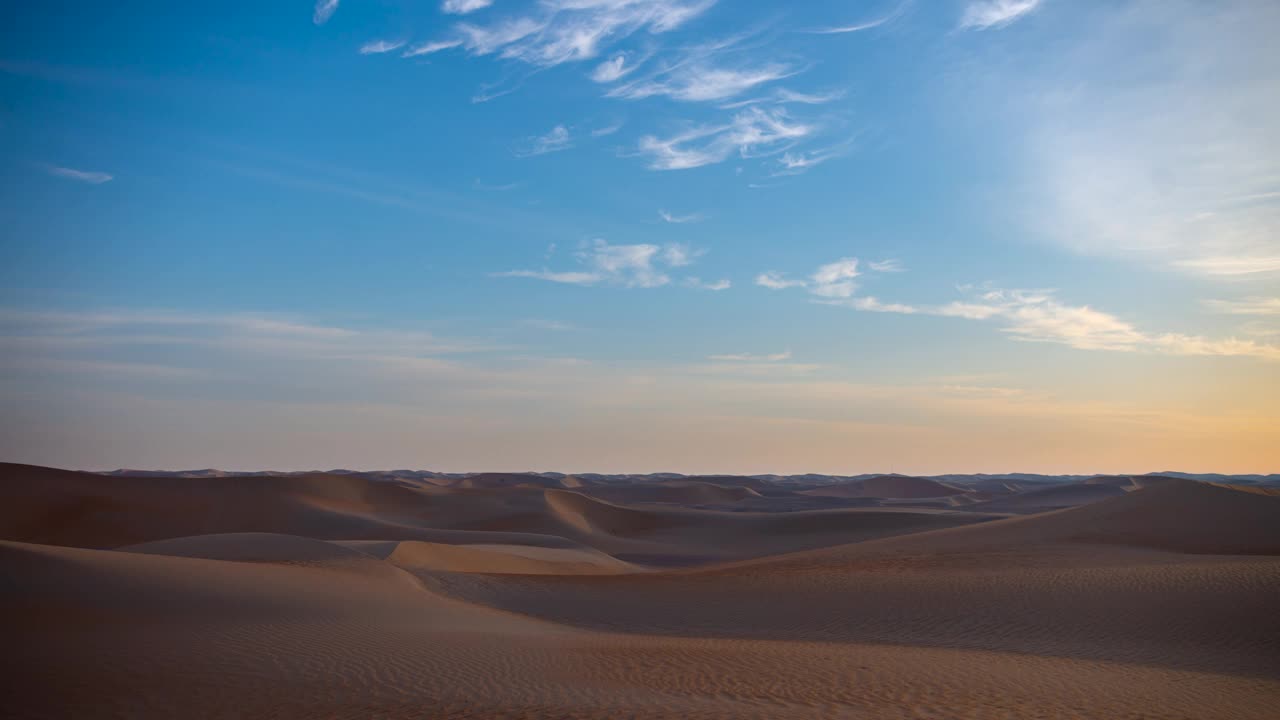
{"points": [[362, 595]]}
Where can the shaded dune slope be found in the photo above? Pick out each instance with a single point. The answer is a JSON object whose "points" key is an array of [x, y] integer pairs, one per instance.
{"points": [[899, 487], [1055, 497], [1129, 578]]}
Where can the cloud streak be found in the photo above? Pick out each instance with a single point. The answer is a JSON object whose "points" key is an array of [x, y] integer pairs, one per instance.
{"points": [[642, 265], [749, 357], [378, 47], [752, 133], [557, 139], [91, 177], [462, 7], [564, 31], [680, 219], [1038, 316], [323, 11], [703, 82], [987, 14], [430, 48]]}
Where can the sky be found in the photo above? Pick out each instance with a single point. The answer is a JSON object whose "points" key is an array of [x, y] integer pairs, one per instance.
{"points": [[642, 235]]}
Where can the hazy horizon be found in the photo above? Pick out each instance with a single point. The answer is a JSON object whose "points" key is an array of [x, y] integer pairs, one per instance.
{"points": [[642, 235]]}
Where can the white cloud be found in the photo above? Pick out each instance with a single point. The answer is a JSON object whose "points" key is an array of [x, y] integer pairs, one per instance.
{"points": [[700, 284], [93, 178], [462, 7], [861, 26], [614, 69], [431, 47], [1037, 316], [871, 304], [702, 82], [561, 31], [488, 40], [984, 14], [377, 47], [554, 141], [889, 265], [678, 255], [776, 281], [639, 266], [800, 162], [569, 278], [836, 279], [324, 10], [751, 133], [1227, 265], [607, 130], [1249, 306], [784, 95], [749, 357], [257, 331], [680, 219]]}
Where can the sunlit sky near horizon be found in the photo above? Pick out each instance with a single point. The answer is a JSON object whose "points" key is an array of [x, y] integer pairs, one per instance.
{"points": [[642, 235]]}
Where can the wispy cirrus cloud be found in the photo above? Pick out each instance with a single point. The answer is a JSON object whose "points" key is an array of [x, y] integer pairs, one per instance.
{"points": [[680, 255], [885, 266], [1231, 265], [556, 32], [607, 129], [754, 132], [88, 176], [700, 284], [680, 219], [777, 281], [557, 139], [985, 14], [795, 163], [1247, 306], [750, 357], [617, 67], [571, 277], [834, 280], [262, 332], [562, 31], [462, 7], [863, 25], [1038, 316], [430, 47], [641, 265], [703, 82], [377, 47], [323, 11]]}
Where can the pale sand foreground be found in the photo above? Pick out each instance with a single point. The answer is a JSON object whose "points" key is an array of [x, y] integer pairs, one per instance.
{"points": [[1157, 604]]}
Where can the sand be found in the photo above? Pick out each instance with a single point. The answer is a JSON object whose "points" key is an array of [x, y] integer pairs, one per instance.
{"points": [[343, 597]]}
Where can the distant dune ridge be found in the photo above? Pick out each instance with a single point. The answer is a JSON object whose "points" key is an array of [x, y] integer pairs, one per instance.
{"points": [[408, 594]]}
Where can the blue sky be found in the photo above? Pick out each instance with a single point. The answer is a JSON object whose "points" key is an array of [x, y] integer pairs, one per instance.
{"points": [[642, 235]]}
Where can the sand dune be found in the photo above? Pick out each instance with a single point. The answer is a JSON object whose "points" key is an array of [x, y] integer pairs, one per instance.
{"points": [[1038, 585], [678, 492], [888, 486], [251, 547], [350, 597], [1055, 497]]}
